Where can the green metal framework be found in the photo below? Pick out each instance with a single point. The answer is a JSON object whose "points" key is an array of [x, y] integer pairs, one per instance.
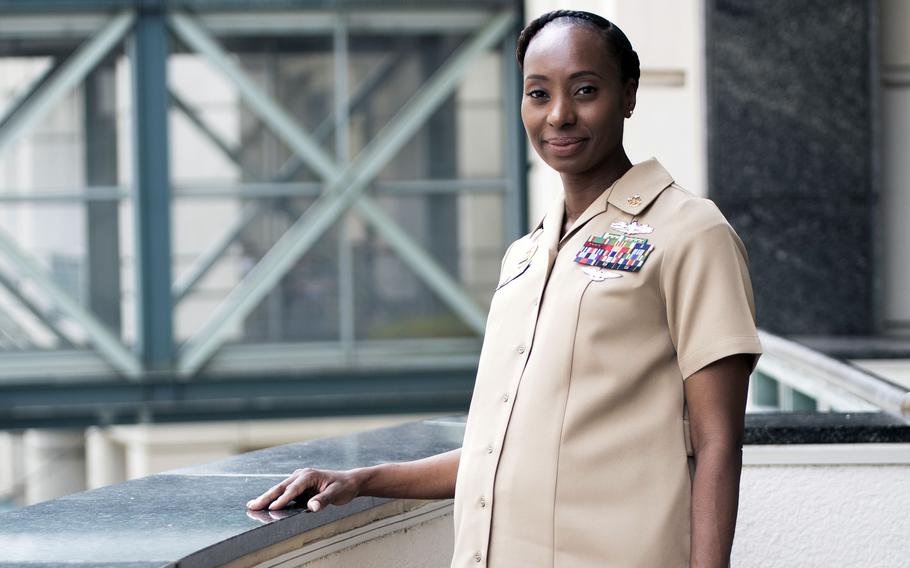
{"points": [[203, 379]]}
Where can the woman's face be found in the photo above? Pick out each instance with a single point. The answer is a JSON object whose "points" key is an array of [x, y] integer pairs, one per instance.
{"points": [[574, 101]]}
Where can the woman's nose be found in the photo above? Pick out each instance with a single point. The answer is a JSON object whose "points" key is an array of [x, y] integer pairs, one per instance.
{"points": [[562, 113]]}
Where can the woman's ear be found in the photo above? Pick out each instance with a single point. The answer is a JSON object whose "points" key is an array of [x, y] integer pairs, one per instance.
{"points": [[629, 93]]}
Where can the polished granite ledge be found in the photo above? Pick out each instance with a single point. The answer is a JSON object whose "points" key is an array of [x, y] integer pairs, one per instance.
{"points": [[196, 517], [825, 428]]}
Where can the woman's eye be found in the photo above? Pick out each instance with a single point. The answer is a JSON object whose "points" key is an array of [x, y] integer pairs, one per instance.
{"points": [[586, 90], [536, 94]]}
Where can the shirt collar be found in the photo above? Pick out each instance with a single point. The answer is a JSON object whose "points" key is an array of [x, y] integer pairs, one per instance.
{"points": [[632, 193], [546, 231], [641, 185]]}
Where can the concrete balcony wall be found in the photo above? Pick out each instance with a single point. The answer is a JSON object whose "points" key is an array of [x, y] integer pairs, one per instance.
{"points": [[419, 537]]}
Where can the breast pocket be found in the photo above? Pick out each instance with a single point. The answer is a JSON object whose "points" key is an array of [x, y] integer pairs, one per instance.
{"points": [[617, 302]]}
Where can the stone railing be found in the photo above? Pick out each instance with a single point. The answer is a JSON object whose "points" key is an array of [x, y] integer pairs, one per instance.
{"points": [[817, 490]]}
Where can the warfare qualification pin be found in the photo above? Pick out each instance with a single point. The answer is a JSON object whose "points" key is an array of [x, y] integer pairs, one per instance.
{"points": [[633, 228], [635, 200], [599, 274]]}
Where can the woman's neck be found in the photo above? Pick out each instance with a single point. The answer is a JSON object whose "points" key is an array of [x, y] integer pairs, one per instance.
{"points": [[582, 189]]}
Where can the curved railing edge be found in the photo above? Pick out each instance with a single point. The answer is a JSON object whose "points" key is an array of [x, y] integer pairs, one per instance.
{"points": [[887, 396]]}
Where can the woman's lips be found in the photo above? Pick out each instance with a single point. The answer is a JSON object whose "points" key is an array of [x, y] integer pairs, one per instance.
{"points": [[565, 146]]}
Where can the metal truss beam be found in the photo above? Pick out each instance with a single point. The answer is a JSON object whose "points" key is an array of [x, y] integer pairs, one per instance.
{"points": [[107, 345], [516, 202], [377, 76], [47, 25], [13, 337], [265, 189], [209, 257], [148, 53], [48, 21], [40, 102], [341, 117], [32, 109], [343, 191], [46, 319], [232, 152], [364, 20], [91, 402], [32, 87], [67, 195], [278, 119]]}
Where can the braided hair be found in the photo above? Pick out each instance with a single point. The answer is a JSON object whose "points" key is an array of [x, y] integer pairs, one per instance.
{"points": [[617, 42]]}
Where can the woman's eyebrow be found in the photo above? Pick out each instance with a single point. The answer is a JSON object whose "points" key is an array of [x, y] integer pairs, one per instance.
{"points": [[575, 75], [578, 74]]}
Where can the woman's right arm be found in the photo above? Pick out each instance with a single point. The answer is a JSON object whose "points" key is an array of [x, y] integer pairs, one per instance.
{"points": [[427, 478]]}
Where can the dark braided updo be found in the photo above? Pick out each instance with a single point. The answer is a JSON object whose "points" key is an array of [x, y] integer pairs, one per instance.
{"points": [[617, 41]]}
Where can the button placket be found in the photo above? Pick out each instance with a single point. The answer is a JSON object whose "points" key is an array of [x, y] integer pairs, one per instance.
{"points": [[483, 511]]}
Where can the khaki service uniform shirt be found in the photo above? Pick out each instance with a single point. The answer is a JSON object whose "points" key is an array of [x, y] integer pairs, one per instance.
{"points": [[575, 448]]}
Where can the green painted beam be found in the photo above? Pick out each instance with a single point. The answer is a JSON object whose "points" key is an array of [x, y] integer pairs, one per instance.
{"points": [[148, 52], [89, 401]]}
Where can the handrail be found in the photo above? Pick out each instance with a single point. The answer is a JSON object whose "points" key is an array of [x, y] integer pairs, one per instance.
{"points": [[882, 394]]}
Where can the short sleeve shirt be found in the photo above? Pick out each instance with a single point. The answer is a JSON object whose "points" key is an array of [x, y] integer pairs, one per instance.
{"points": [[575, 449]]}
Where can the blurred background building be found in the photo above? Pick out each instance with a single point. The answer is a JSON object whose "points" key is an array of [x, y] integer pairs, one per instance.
{"points": [[229, 225]]}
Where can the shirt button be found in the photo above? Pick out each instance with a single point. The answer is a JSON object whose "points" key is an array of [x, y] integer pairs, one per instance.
{"points": [[489, 449], [483, 502], [477, 557], [534, 303], [521, 348], [505, 397]]}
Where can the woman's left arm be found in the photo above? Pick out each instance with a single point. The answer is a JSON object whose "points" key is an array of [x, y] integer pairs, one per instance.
{"points": [[716, 398]]}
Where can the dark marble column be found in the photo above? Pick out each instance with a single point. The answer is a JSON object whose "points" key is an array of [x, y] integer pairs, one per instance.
{"points": [[791, 115]]}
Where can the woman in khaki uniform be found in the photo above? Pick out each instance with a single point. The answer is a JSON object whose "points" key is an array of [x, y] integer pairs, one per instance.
{"points": [[625, 311]]}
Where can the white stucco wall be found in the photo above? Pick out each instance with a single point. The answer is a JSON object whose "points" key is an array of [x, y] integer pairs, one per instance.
{"points": [[790, 516], [823, 516], [824, 505]]}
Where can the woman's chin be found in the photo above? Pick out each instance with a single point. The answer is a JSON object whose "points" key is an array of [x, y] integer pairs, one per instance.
{"points": [[567, 166]]}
